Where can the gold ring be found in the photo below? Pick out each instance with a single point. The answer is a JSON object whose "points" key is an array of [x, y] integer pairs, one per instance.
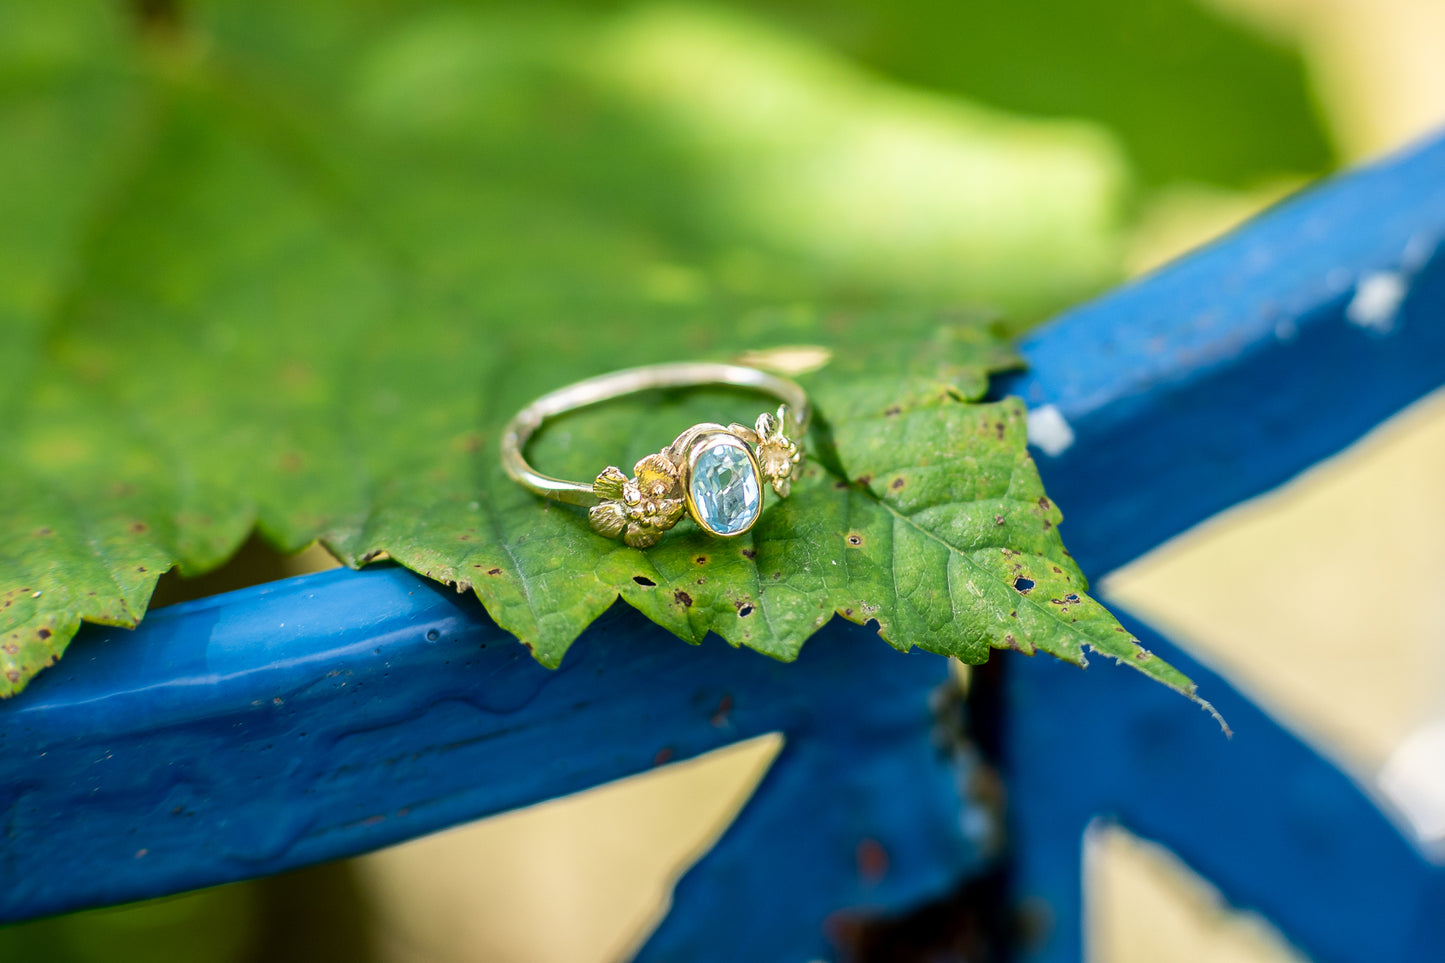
{"points": [[711, 472]]}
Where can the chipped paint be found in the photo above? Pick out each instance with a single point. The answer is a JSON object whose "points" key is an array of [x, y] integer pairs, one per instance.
{"points": [[1377, 300], [1049, 431], [1413, 780]]}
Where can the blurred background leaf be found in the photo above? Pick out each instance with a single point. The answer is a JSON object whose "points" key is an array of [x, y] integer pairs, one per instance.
{"points": [[1190, 95]]}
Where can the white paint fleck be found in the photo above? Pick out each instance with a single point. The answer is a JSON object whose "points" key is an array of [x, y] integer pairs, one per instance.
{"points": [[976, 825], [1377, 300], [1413, 778], [1049, 431], [36, 595]]}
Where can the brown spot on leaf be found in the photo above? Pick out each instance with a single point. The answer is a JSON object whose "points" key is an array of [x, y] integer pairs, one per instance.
{"points": [[682, 598], [998, 519], [12, 675], [43, 633], [701, 560], [140, 568], [865, 479], [138, 527], [42, 532], [291, 461], [893, 411], [855, 539], [898, 483], [749, 553], [494, 571]]}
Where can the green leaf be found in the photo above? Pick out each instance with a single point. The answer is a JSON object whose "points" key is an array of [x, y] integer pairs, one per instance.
{"points": [[291, 270], [1193, 94]]}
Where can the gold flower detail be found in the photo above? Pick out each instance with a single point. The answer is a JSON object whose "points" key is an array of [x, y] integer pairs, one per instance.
{"points": [[777, 456], [639, 509]]}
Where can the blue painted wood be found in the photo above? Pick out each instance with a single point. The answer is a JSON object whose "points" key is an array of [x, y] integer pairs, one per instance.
{"points": [[1213, 381], [840, 813], [1234, 369], [329, 715], [1262, 816]]}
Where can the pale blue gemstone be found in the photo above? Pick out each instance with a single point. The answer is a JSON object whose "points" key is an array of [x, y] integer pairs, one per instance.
{"points": [[725, 489]]}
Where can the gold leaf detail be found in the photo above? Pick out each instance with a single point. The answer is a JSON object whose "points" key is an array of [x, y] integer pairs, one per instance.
{"points": [[607, 519], [642, 508], [609, 484], [778, 456], [657, 476]]}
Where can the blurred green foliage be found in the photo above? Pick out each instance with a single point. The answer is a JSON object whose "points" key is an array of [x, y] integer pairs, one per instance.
{"points": [[1190, 95], [207, 926], [311, 915]]}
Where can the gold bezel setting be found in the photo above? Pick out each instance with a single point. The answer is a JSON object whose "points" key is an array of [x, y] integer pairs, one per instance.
{"points": [[702, 444]]}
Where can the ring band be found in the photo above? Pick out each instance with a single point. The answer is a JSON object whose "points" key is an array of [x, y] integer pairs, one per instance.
{"points": [[711, 472]]}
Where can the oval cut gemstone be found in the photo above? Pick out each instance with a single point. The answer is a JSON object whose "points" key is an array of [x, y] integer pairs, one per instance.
{"points": [[725, 489]]}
